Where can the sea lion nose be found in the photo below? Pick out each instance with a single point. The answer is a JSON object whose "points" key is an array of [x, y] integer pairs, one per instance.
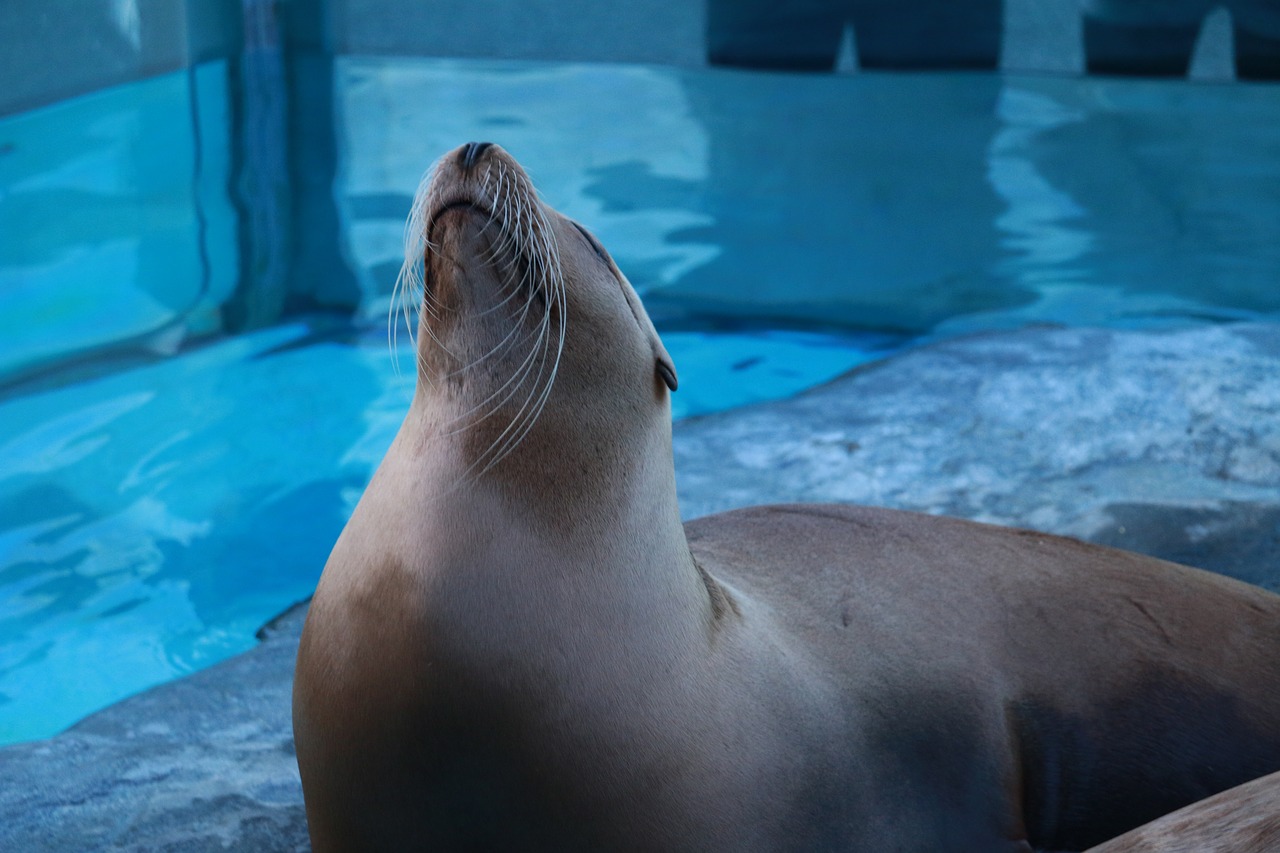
{"points": [[471, 152]]}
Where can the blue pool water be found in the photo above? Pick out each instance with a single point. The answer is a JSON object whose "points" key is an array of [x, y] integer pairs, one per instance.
{"points": [[166, 488]]}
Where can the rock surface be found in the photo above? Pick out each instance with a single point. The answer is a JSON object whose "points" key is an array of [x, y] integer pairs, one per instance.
{"points": [[1166, 443], [1162, 442]]}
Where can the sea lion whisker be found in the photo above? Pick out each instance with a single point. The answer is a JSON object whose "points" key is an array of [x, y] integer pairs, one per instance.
{"points": [[517, 242], [404, 298], [503, 442], [516, 221], [520, 424], [534, 412], [506, 341], [520, 375], [410, 287], [523, 251], [395, 310], [500, 192], [433, 314], [512, 292], [409, 279], [503, 251], [517, 250], [507, 246], [514, 263], [430, 298], [510, 387]]}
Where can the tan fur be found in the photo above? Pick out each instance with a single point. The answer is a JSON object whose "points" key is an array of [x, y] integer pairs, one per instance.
{"points": [[1244, 819], [536, 654]]}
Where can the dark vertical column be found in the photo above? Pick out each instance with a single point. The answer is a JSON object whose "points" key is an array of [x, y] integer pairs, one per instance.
{"points": [[803, 35], [285, 162], [1135, 49], [319, 275], [259, 173], [1142, 37], [894, 35], [1257, 39]]}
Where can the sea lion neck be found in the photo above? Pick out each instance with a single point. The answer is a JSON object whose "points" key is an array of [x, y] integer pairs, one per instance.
{"points": [[589, 494], [490, 551]]}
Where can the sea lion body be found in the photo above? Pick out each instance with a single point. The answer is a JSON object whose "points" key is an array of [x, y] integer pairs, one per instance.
{"points": [[518, 645], [1006, 681]]}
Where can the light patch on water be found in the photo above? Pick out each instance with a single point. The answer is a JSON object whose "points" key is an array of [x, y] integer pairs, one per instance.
{"points": [[1042, 227], [65, 439], [566, 123], [127, 20], [155, 517]]}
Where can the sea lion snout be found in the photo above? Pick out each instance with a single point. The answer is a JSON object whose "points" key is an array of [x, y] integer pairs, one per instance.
{"points": [[482, 177], [470, 153]]}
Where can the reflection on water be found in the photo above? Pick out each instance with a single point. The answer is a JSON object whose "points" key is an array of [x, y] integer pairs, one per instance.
{"points": [[887, 224], [570, 126], [918, 203], [154, 518], [1131, 201], [782, 228], [101, 199]]}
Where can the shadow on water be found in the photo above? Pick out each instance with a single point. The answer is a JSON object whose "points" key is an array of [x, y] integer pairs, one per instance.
{"points": [[884, 225]]}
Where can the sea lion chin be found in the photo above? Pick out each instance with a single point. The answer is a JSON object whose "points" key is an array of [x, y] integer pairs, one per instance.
{"points": [[517, 645]]}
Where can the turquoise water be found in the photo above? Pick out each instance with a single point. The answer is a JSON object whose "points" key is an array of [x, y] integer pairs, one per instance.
{"points": [[165, 488]]}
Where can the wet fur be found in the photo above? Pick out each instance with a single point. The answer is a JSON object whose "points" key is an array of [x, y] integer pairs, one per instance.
{"points": [[516, 644]]}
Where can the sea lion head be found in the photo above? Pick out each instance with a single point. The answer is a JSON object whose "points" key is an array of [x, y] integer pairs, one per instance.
{"points": [[530, 338]]}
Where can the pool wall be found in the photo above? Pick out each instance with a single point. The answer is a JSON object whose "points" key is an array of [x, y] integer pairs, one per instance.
{"points": [[116, 41], [173, 181], [55, 49]]}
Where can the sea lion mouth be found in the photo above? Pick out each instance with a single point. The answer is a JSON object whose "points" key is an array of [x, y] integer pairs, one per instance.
{"points": [[512, 255], [471, 204]]}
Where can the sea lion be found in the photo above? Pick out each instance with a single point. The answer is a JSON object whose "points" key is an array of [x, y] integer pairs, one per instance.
{"points": [[517, 645], [1244, 819]]}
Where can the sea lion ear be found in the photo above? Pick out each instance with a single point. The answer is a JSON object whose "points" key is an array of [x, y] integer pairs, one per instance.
{"points": [[667, 370], [662, 360]]}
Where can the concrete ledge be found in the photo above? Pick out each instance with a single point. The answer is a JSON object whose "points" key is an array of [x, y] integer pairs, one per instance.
{"points": [[1166, 442]]}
